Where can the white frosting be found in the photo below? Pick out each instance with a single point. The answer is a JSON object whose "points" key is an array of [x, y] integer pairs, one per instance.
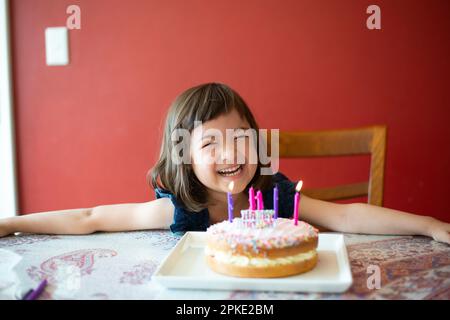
{"points": [[244, 261], [284, 233]]}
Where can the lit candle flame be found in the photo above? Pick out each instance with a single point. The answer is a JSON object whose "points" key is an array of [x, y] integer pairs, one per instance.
{"points": [[231, 186], [299, 186]]}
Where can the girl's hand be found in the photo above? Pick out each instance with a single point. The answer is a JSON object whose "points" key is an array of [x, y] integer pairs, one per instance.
{"points": [[439, 231]]}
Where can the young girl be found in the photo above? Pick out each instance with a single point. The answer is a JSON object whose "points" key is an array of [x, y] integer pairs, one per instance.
{"points": [[192, 195]]}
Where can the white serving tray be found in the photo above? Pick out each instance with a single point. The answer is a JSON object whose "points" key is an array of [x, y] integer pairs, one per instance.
{"points": [[185, 268]]}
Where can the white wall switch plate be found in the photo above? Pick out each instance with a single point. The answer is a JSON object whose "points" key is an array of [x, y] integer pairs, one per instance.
{"points": [[57, 46]]}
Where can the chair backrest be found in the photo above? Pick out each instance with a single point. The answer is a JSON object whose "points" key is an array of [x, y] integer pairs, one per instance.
{"points": [[343, 142]]}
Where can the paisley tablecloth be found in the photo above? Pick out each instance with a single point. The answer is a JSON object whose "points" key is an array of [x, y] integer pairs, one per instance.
{"points": [[120, 266]]}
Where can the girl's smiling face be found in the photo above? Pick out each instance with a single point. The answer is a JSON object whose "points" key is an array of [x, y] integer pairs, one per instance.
{"points": [[217, 163]]}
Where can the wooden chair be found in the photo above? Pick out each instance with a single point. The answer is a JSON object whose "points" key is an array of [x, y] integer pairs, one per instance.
{"points": [[358, 141]]}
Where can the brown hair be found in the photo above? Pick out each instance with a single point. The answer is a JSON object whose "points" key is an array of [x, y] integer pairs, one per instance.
{"points": [[201, 103]]}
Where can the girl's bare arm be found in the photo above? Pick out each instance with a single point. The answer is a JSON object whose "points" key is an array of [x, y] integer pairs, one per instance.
{"points": [[156, 214], [370, 219]]}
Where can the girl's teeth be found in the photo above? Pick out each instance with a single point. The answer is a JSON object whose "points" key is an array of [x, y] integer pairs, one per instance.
{"points": [[231, 171]]}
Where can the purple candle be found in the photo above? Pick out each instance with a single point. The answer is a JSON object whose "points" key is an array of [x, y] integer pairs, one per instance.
{"points": [[259, 201], [35, 293], [297, 200], [251, 198], [275, 201], [230, 202]]}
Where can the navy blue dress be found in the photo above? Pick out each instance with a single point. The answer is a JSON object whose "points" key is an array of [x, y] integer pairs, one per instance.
{"points": [[185, 220]]}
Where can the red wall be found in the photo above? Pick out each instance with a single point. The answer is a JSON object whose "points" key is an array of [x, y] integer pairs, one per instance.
{"points": [[87, 133]]}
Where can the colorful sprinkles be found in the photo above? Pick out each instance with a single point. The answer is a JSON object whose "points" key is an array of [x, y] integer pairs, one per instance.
{"points": [[257, 230]]}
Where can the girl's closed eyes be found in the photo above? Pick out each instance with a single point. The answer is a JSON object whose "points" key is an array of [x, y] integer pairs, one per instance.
{"points": [[211, 141]]}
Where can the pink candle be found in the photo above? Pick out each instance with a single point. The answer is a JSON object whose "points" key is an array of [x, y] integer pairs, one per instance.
{"points": [[259, 201], [251, 198], [297, 201]]}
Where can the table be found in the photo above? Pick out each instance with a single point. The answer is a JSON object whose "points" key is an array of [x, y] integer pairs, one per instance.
{"points": [[120, 266]]}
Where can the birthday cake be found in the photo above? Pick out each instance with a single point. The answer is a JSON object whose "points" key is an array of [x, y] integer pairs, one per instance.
{"points": [[257, 245]]}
